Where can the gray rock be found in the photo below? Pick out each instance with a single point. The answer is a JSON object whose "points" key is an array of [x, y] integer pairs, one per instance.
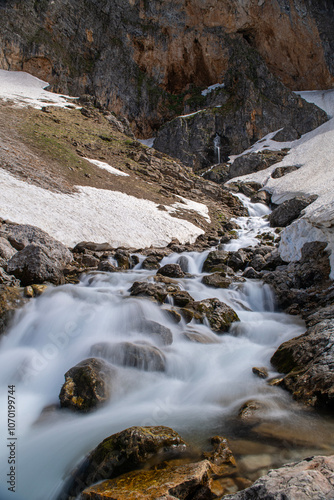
{"points": [[290, 210], [310, 479], [217, 280], [159, 333], [219, 315], [106, 266], [87, 385], [94, 247], [151, 262], [150, 290], [6, 249], [254, 162], [140, 356]]}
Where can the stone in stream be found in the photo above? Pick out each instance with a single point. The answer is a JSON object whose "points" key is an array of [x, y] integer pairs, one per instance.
{"points": [[140, 356], [151, 262], [260, 372], [149, 290], [106, 266], [171, 271], [181, 298], [219, 260], [160, 333], [309, 479], [87, 385], [183, 262], [219, 315], [217, 280], [124, 452]]}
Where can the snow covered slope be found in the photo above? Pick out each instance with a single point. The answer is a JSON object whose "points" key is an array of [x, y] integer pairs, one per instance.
{"points": [[314, 155]]}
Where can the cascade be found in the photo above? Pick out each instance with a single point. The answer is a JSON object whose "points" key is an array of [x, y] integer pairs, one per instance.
{"points": [[216, 143], [198, 394]]}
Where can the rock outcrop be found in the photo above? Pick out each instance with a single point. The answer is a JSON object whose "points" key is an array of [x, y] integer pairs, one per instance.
{"points": [[312, 478]]}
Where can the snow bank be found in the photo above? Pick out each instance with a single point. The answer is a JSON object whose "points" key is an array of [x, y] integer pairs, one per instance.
{"points": [[93, 215], [313, 154], [106, 166], [27, 90]]}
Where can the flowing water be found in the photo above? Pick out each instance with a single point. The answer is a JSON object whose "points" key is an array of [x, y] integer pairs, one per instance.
{"points": [[198, 395]]}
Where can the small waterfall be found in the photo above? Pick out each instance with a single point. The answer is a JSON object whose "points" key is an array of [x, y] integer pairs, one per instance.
{"points": [[216, 143]]}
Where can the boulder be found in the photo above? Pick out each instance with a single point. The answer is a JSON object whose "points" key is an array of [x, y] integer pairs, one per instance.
{"points": [[254, 162], [219, 315], [288, 211], [91, 246], [87, 385], [309, 479], [308, 363], [171, 271], [215, 261], [33, 265], [106, 266], [217, 280], [151, 262], [150, 290], [140, 356], [183, 263], [124, 452], [180, 482], [181, 298]]}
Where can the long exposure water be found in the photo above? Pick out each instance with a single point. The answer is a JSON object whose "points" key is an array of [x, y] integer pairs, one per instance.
{"points": [[198, 395]]}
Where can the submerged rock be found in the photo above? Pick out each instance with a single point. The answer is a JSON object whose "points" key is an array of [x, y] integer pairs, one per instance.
{"points": [[124, 452], [159, 333], [87, 385], [140, 356], [310, 479]]}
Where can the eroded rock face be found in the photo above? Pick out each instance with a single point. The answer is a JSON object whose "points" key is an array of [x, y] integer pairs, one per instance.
{"points": [[124, 452], [87, 385], [309, 479], [308, 362]]}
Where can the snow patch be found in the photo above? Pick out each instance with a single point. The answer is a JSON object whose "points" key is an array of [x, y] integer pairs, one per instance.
{"points": [[93, 215], [107, 167], [186, 204], [27, 90]]}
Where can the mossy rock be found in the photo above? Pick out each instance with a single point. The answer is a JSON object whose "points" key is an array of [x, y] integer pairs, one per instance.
{"points": [[219, 315]]}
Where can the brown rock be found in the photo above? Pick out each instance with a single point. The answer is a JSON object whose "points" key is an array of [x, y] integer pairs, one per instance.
{"points": [[11, 298]]}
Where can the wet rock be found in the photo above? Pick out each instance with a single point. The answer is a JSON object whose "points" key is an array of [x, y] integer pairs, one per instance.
{"points": [[254, 162], [87, 385], [33, 265], [11, 299], [123, 259], [281, 171], [181, 298], [251, 411], [183, 263], [151, 262], [260, 372], [124, 452], [200, 337], [170, 483], [217, 280], [308, 363], [150, 290], [250, 273], [215, 262], [140, 356], [171, 271], [309, 479], [288, 211], [159, 333], [106, 266], [88, 260], [221, 458], [219, 315]]}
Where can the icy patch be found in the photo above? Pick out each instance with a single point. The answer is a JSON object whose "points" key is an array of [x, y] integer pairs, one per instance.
{"points": [[211, 88], [107, 167], [27, 90], [93, 215], [186, 204], [147, 142]]}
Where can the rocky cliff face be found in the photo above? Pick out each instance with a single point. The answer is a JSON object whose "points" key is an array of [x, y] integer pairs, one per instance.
{"points": [[146, 60]]}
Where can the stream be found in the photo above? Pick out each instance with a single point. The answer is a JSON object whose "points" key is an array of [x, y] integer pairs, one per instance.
{"points": [[199, 395]]}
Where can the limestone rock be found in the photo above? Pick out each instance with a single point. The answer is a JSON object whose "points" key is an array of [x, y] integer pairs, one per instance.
{"points": [[87, 385], [290, 210], [140, 356], [310, 479], [171, 271], [308, 364], [124, 452]]}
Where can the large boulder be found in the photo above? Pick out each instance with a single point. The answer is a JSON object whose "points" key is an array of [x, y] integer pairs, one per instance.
{"points": [[140, 356], [219, 315], [308, 364], [150, 290], [124, 452], [180, 482], [87, 385], [253, 162], [217, 280], [288, 211], [310, 479]]}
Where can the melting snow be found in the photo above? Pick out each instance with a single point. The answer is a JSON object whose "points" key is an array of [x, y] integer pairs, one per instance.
{"points": [[107, 167], [27, 90]]}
